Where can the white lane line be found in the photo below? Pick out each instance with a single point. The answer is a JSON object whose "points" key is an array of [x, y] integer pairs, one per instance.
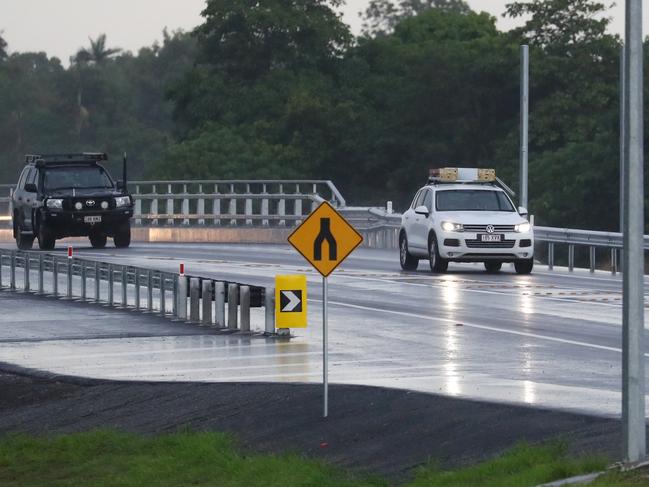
{"points": [[479, 327]]}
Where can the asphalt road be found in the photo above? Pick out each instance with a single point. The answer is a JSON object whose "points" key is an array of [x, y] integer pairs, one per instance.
{"points": [[551, 339]]}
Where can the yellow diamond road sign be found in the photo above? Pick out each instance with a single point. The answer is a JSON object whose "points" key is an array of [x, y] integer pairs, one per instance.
{"points": [[325, 239]]}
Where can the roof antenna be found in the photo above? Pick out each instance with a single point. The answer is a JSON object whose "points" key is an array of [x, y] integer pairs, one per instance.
{"points": [[124, 173]]}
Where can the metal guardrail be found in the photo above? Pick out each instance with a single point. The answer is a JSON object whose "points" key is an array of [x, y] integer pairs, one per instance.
{"points": [[184, 297]]}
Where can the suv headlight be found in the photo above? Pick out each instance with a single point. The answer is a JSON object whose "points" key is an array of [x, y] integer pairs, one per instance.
{"points": [[452, 227], [54, 203], [522, 227], [122, 201]]}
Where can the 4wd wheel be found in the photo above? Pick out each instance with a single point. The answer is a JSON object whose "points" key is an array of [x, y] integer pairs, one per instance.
{"points": [[98, 240], [493, 267], [122, 238], [46, 240], [407, 261], [23, 242], [524, 266], [437, 263]]}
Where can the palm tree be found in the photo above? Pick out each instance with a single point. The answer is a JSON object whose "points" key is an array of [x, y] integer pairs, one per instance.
{"points": [[97, 53]]}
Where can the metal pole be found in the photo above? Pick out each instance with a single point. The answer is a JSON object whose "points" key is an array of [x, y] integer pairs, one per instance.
{"points": [[55, 276], [269, 304], [194, 299], [136, 275], [233, 301], [69, 278], [83, 280], [525, 80], [219, 304], [633, 372], [149, 291], [206, 302], [124, 287], [244, 308], [97, 282], [622, 135], [163, 291], [27, 271], [12, 272], [181, 307], [325, 358], [41, 271], [111, 277]]}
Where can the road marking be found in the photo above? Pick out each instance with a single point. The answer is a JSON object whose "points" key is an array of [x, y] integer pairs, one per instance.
{"points": [[480, 327]]}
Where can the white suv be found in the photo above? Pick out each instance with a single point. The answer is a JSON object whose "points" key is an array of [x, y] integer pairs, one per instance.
{"points": [[453, 219]]}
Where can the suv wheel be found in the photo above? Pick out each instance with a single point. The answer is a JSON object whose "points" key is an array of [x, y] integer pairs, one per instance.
{"points": [[46, 240], [524, 266], [98, 240], [122, 238], [23, 242], [437, 263], [407, 261], [493, 267]]}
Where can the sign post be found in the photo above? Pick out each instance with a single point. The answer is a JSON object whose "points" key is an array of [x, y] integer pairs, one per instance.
{"points": [[325, 239]]}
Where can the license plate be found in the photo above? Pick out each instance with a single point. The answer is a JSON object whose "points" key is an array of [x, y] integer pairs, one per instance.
{"points": [[92, 219], [490, 238]]}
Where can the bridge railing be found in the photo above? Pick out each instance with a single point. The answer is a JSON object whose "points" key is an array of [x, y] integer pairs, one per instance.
{"points": [[229, 202]]}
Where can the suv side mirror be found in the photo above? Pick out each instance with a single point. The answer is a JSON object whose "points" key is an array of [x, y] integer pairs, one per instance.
{"points": [[522, 211], [31, 188], [120, 185], [422, 210]]}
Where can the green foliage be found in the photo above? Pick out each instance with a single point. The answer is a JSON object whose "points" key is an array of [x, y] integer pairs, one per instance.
{"points": [[281, 89], [3, 49], [381, 16]]}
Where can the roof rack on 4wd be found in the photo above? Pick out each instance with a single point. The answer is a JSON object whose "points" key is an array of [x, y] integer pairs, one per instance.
{"points": [[75, 158]]}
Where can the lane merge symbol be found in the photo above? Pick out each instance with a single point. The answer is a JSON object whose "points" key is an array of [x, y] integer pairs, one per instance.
{"points": [[325, 239], [291, 301], [325, 235]]}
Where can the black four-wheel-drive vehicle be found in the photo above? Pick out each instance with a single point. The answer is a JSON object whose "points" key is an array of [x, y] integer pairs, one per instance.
{"points": [[70, 195]]}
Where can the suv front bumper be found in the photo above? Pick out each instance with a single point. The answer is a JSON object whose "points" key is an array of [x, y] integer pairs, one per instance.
{"points": [[467, 247], [65, 223]]}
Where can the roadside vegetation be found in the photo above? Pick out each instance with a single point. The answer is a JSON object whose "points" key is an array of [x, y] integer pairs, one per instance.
{"points": [[280, 89], [109, 458]]}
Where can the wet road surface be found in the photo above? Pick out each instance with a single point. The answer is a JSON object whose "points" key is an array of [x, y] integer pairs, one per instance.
{"points": [[551, 339]]}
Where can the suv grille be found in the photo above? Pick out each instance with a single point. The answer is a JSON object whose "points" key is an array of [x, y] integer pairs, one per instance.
{"points": [[483, 228], [478, 244]]}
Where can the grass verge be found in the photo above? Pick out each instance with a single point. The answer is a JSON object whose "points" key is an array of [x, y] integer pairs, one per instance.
{"points": [[109, 458]]}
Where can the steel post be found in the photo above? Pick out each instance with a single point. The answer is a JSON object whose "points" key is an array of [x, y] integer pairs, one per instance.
{"points": [[523, 173], [194, 299], [41, 272], [233, 301], [27, 266], [269, 305], [622, 135], [613, 261], [12, 271], [206, 302], [55, 276], [163, 294], [181, 307], [219, 304], [571, 257], [591, 258], [149, 291], [550, 256], [111, 282], [633, 366], [124, 286], [97, 282], [244, 307], [83, 280], [69, 278], [325, 348], [136, 280]]}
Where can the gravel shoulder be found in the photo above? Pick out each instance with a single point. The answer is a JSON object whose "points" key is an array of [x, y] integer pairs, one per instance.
{"points": [[375, 430]]}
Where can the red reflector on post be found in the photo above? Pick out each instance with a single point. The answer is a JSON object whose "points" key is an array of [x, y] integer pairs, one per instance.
{"points": [[70, 251], [182, 269]]}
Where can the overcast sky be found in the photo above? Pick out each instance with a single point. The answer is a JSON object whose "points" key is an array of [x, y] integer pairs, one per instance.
{"points": [[61, 27]]}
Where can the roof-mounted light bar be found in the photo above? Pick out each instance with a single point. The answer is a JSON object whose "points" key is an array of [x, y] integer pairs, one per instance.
{"points": [[82, 157], [461, 175]]}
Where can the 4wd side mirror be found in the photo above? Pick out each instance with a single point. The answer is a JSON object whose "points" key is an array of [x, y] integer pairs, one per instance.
{"points": [[422, 210], [120, 185], [31, 188], [522, 211]]}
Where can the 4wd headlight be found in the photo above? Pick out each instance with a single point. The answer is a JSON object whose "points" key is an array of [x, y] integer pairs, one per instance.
{"points": [[122, 201], [452, 227], [54, 203], [522, 227]]}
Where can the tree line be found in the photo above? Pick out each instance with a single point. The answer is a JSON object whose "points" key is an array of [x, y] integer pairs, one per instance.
{"points": [[284, 90]]}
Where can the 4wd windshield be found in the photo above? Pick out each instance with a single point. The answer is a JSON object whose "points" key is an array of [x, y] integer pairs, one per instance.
{"points": [[75, 177], [472, 200]]}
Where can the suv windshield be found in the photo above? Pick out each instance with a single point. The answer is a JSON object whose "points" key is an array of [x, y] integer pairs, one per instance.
{"points": [[76, 177], [472, 200]]}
